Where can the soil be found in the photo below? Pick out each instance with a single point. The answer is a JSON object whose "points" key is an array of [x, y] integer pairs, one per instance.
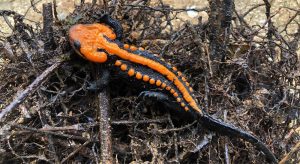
{"points": [[53, 107]]}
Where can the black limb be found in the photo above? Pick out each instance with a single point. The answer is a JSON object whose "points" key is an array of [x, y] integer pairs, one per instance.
{"points": [[172, 106], [101, 83], [156, 97], [230, 130], [113, 24]]}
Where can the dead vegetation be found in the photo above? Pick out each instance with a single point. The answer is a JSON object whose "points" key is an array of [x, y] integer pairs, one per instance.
{"points": [[246, 75]]}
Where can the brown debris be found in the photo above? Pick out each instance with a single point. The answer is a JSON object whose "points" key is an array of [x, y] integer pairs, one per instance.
{"points": [[49, 100]]}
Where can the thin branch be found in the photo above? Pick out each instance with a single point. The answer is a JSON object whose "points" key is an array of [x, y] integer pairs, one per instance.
{"points": [[75, 151], [30, 89], [104, 119], [288, 156], [270, 32]]}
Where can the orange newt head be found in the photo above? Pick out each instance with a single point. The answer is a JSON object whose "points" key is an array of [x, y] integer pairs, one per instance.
{"points": [[86, 40]]}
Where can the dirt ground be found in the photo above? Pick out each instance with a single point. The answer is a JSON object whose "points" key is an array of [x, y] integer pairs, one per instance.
{"points": [[65, 7], [53, 109]]}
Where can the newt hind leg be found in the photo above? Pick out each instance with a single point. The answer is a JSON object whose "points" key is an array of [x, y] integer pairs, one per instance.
{"points": [[161, 100]]}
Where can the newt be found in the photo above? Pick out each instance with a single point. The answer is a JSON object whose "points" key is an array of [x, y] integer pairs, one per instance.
{"points": [[101, 43]]}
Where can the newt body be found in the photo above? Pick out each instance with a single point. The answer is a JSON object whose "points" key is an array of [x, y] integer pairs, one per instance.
{"points": [[101, 44]]}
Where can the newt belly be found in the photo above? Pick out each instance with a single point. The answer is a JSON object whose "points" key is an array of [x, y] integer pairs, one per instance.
{"points": [[100, 43]]}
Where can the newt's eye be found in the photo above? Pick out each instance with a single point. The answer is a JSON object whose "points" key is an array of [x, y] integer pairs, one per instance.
{"points": [[77, 45]]}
